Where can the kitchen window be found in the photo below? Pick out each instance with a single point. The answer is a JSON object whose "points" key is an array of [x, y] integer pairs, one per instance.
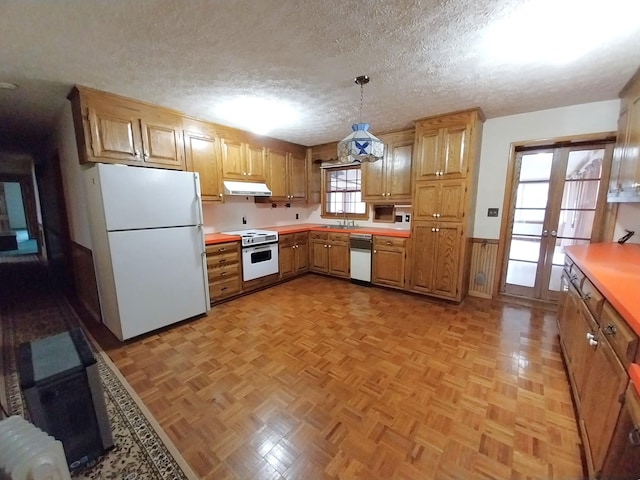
{"points": [[342, 193]]}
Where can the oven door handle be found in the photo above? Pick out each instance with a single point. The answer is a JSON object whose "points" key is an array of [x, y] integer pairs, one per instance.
{"points": [[259, 248]]}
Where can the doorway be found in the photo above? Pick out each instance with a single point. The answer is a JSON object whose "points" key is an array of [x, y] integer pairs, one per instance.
{"points": [[557, 200]]}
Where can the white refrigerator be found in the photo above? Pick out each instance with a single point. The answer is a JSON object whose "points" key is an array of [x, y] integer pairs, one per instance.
{"points": [[148, 246]]}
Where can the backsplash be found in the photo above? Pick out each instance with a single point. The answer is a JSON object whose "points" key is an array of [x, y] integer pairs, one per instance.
{"points": [[628, 218], [229, 215]]}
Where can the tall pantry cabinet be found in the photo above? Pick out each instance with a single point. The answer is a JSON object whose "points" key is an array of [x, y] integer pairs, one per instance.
{"points": [[445, 175]]}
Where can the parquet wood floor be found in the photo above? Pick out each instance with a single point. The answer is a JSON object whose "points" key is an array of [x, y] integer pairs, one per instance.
{"points": [[318, 378]]}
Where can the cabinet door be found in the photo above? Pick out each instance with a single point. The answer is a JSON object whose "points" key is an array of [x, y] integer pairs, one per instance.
{"points": [[277, 174], [233, 159], [429, 155], [301, 241], [630, 167], [286, 255], [615, 180], [339, 260], [373, 181], [441, 200], [319, 257], [297, 175], [256, 168], [446, 260], [162, 141], [455, 152], [423, 249], [202, 157], [115, 133], [387, 267], [398, 171], [601, 404]]}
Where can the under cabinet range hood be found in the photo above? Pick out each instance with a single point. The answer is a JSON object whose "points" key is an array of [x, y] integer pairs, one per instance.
{"points": [[246, 189]]}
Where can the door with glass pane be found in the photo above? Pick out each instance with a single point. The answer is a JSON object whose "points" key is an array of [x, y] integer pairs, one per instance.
{"points": [[557, 201]]}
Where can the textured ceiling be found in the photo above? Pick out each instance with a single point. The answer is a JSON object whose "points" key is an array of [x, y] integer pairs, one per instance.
{"points": [[423, 57]]}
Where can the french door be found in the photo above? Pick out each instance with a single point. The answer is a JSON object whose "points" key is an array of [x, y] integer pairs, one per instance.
{"points": [[557, 200]]}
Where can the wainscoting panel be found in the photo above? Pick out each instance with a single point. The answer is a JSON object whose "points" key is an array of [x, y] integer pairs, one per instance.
{"points": [[85, 279], [484, 256]]}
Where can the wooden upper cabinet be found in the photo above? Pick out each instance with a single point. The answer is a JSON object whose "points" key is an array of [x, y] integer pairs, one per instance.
{"points": [[277, 173], [297, 177], [286, 176], [441, 152], [445, 145], [625, 171], [113, 129], [389, 180], [440, 200], [242, 161], [203, 156]]}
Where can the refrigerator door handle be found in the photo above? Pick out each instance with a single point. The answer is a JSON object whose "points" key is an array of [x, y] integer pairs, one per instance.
{"points": [[196, 181]]}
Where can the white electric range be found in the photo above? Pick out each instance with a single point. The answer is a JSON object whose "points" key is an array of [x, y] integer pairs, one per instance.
{"points": [[259, 253]]}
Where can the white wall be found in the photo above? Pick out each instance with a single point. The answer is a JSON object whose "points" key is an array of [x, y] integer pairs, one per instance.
{"points": [[500, 133], [628, 218], [15, 207], [64, 141]]}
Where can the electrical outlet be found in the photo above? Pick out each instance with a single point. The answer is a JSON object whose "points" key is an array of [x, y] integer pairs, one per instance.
{"points": [[492, 212], [244, 220], [398, 218], [407, 218]]}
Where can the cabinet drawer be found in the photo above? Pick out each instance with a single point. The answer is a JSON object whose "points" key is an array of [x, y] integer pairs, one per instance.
{"points": [[379, 241], [319, 235], [592, 297], [224, 289], [338, 237], [221, 248], [623, 340], [224, 258], [576, 275], [223, 272]]}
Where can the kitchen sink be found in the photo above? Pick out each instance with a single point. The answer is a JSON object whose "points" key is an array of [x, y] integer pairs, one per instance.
{"points": [[339, 227]]}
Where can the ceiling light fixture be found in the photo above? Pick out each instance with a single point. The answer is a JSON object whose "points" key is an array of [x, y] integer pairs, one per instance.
{"points": [[8, 86], [360, 145]]}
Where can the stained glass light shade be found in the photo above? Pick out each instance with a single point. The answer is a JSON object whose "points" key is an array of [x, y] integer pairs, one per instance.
{"points": [[360, 146]]}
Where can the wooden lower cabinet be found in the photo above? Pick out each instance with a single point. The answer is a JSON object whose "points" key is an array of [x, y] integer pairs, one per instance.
{"points": [[435, 267], [588, 333], [330, 253], [224, 270], [293, 254], [388, 261]]}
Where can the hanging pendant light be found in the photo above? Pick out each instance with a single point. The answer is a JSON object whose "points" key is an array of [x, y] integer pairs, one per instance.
{"points": [[360, 145]]}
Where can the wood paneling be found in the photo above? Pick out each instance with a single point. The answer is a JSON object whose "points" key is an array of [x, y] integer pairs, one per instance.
{"points": [[85, 279], [484, 256]]}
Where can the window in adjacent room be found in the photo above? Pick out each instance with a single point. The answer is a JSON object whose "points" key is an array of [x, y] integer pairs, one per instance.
{"points": [[342, 193]]}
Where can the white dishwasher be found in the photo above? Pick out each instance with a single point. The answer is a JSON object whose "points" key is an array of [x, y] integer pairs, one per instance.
{"points": [[360, 248]]}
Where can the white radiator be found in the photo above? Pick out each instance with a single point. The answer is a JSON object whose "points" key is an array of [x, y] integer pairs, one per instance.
{"points": [[28, 453]]}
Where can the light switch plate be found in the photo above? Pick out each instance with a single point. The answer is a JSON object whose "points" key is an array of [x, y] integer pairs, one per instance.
{"points": [[492, 212]]}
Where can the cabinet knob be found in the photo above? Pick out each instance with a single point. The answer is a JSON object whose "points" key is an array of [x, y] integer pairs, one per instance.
{"points": [[223, 274], [437, 229], [634, 436], [388, 194], [326, 246], [136, 153], [610, 329], [375, 251], [223, 289], [329, 246], [222, 249], [437, 215], [593, 342], [433, 229], [388, 242], [384, 194], [220, 195], [433, 215]]}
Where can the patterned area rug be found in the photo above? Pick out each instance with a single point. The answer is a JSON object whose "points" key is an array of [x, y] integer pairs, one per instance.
{"points": [[31, 308]]}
